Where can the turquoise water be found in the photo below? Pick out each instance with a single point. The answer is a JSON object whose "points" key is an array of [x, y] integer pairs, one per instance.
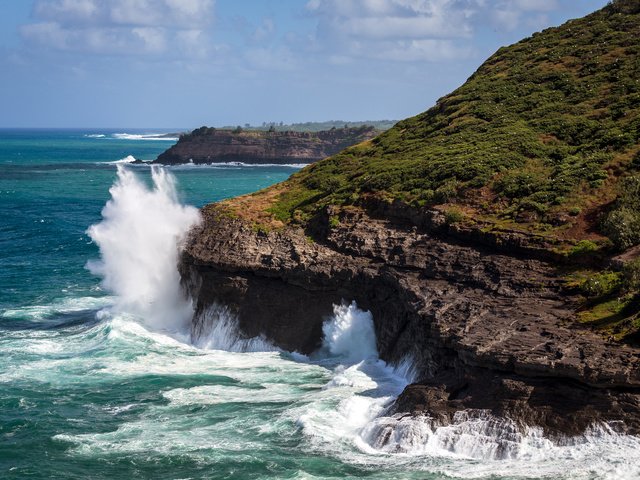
{"points": [[90, 389]]}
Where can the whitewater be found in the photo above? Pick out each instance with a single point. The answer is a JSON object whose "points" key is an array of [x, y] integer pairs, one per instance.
{"points": [[107, 380]]}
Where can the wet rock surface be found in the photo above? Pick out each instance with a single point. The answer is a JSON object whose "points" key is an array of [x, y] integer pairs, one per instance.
{"points": [[488, 330]]}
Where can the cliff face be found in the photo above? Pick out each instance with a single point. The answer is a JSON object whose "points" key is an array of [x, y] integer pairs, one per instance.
{"points": [[486, 330], [210, 145]]}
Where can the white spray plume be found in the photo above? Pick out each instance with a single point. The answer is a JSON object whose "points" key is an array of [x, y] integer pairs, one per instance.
{"points": [[350, 333], [139, 238]]}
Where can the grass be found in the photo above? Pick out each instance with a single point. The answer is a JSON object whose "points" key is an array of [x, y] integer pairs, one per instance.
{"points": [[615, 316]]}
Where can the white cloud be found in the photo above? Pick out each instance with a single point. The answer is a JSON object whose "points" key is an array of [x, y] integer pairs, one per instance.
{"points": [[66, 10], [509, 14], [403, 27], [400, 30], [535, 5], [192, 42], [414, 30], [139, 40], [121, 26]]}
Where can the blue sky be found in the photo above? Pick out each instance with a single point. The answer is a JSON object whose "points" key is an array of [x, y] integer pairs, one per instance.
{"points": [[186, 63]]}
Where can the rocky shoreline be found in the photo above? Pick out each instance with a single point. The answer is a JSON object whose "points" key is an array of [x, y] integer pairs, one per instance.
{"points": [[210, 145], [488, 329]]}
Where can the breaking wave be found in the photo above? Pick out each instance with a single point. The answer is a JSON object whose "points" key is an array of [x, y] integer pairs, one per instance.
{"points": [[139, 238], [122, 161], [146, 136]]}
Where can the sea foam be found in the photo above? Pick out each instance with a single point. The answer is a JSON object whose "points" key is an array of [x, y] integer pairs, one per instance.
{"points": [[148, 136]]}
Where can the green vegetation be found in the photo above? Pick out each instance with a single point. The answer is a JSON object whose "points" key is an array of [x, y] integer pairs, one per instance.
{"points": [[613, 304], [541, 135], [380, 125], [583, 248], [601, 284], [622, 223], [452, 216]]}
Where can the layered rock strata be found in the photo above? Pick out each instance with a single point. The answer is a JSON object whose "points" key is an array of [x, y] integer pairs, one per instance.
{"points": [[488, 329], [210, 145]]}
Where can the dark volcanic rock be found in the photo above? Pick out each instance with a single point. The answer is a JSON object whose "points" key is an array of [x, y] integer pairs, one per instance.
{"points": [[486, 330], [210, 145]]}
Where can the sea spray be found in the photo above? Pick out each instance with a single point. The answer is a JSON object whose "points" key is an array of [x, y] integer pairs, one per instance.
{"points": [[216, 328], [361, 387], [350, 333], [139, 237]]}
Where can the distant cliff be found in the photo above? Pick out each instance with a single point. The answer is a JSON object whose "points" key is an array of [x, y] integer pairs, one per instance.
{"points": [[211, 145]]}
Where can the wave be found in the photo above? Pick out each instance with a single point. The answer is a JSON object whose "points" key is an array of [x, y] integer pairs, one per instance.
{"points": [[146, 136], [139, 239], [38, 313], [209, 166], [217, 329], [218, 403], [122, 161], [94, 135]]}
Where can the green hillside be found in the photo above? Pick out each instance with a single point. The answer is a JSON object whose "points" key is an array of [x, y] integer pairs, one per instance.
{"points": [[538, 138]]}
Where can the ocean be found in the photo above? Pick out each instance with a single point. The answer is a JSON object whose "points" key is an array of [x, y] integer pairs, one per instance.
{"points": [[100, 379]]}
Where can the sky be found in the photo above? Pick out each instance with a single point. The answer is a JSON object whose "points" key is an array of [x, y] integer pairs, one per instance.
{"points": [[187, 63]]}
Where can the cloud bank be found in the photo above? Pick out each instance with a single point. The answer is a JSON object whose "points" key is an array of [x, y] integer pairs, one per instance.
{"points": [[129, 27]]}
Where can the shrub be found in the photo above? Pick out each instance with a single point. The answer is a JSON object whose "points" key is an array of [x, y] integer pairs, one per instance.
{"points": [[519, 184], [532, 206], [622, 226], [452, 216], [446, 192], [601, 284], [631, 275], [584, 247]]}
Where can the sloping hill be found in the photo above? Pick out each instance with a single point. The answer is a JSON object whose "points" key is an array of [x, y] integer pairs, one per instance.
{"points": [[537, 139]]}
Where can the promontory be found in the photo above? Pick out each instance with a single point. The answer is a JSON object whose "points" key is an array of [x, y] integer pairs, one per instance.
{"points": [[212, 145]]}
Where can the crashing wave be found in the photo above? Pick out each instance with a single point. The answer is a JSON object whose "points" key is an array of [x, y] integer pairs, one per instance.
{"points": [[147, 136], [217, 329]]}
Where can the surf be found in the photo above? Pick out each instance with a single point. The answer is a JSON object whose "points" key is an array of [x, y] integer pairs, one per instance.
{"points": [[139, 238]]}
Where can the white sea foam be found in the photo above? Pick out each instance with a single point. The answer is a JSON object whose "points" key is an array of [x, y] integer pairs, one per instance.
{"points": [[62, 306], [139, 239], [336, 400], [95, 135], [350, 333], [347, 419], [361, 387], [217, 329], [146, 136], [122, 161]]}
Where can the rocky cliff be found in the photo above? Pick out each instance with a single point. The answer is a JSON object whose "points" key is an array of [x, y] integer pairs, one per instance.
{"points": [[472, 232], [487, 330], [211, 145]]}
